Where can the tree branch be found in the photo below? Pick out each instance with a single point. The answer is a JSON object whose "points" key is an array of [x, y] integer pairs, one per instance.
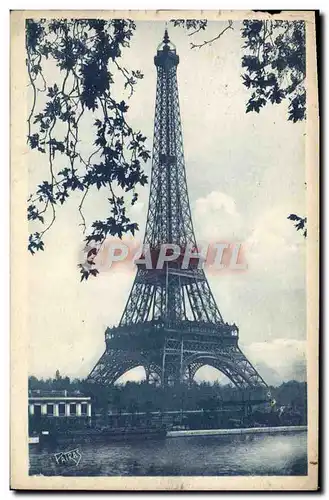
{"points": [[207, 42]]}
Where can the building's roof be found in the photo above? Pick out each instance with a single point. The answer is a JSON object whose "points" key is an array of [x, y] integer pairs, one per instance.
{"points": [[56, 395]]}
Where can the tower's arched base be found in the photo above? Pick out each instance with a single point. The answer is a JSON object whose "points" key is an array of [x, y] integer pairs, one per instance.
{"points": [[176, 360], [115, 363]]}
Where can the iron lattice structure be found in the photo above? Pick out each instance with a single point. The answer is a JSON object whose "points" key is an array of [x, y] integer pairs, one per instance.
{"points": [[171, 324]]}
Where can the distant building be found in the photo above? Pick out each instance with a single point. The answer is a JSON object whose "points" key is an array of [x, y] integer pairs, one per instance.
{"points": [[58, 404]]}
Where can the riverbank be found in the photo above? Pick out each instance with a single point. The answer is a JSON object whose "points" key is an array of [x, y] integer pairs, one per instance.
{"points": [[215, 432], [251, 430]]}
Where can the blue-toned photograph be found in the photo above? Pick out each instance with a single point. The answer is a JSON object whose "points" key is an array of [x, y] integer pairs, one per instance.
{"points": [[166, 246]]}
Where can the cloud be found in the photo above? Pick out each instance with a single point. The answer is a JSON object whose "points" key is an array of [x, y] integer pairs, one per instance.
{"points": [[216, 201], [275, 249], [216, 218], [279, 360]]}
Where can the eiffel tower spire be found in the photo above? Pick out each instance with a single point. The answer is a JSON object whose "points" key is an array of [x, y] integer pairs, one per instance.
{"points": [[171, 324], [169, 217]]}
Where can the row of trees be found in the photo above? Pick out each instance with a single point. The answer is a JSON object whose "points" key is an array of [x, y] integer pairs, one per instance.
{"points": [[143, 397]]}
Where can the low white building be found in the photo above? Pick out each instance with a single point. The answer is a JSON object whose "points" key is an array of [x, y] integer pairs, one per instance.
{"points": [[59, 404]]}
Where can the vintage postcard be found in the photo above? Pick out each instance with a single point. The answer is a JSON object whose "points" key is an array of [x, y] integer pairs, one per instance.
{"points": [[164, 268]]}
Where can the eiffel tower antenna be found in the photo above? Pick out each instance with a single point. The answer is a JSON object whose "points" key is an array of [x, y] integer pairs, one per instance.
{"points": [[171, 324]]}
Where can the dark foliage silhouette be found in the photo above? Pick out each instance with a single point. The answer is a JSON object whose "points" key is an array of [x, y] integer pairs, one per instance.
{"points": [[275, 65], [274, 62], [86, 54], [300, 223]]}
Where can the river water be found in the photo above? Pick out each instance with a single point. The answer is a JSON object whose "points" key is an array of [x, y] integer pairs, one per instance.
{"points": [[252, 454]]}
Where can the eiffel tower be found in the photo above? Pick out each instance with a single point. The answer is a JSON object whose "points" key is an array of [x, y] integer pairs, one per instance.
{"points": [[171, 324]]}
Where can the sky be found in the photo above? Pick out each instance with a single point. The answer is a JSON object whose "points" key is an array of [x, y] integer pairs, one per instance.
{"points": [[245, 174]]}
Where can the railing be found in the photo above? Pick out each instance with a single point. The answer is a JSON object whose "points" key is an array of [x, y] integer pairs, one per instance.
{"points": [[193, 327]]}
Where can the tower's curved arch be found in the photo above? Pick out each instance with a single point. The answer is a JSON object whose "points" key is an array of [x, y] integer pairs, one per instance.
{"points": [[115, 364], [239, 377], [210, 374], [136, 374]]}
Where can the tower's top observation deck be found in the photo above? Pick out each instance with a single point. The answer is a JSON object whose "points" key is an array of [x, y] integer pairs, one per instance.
{"points": [[166, 53]]}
